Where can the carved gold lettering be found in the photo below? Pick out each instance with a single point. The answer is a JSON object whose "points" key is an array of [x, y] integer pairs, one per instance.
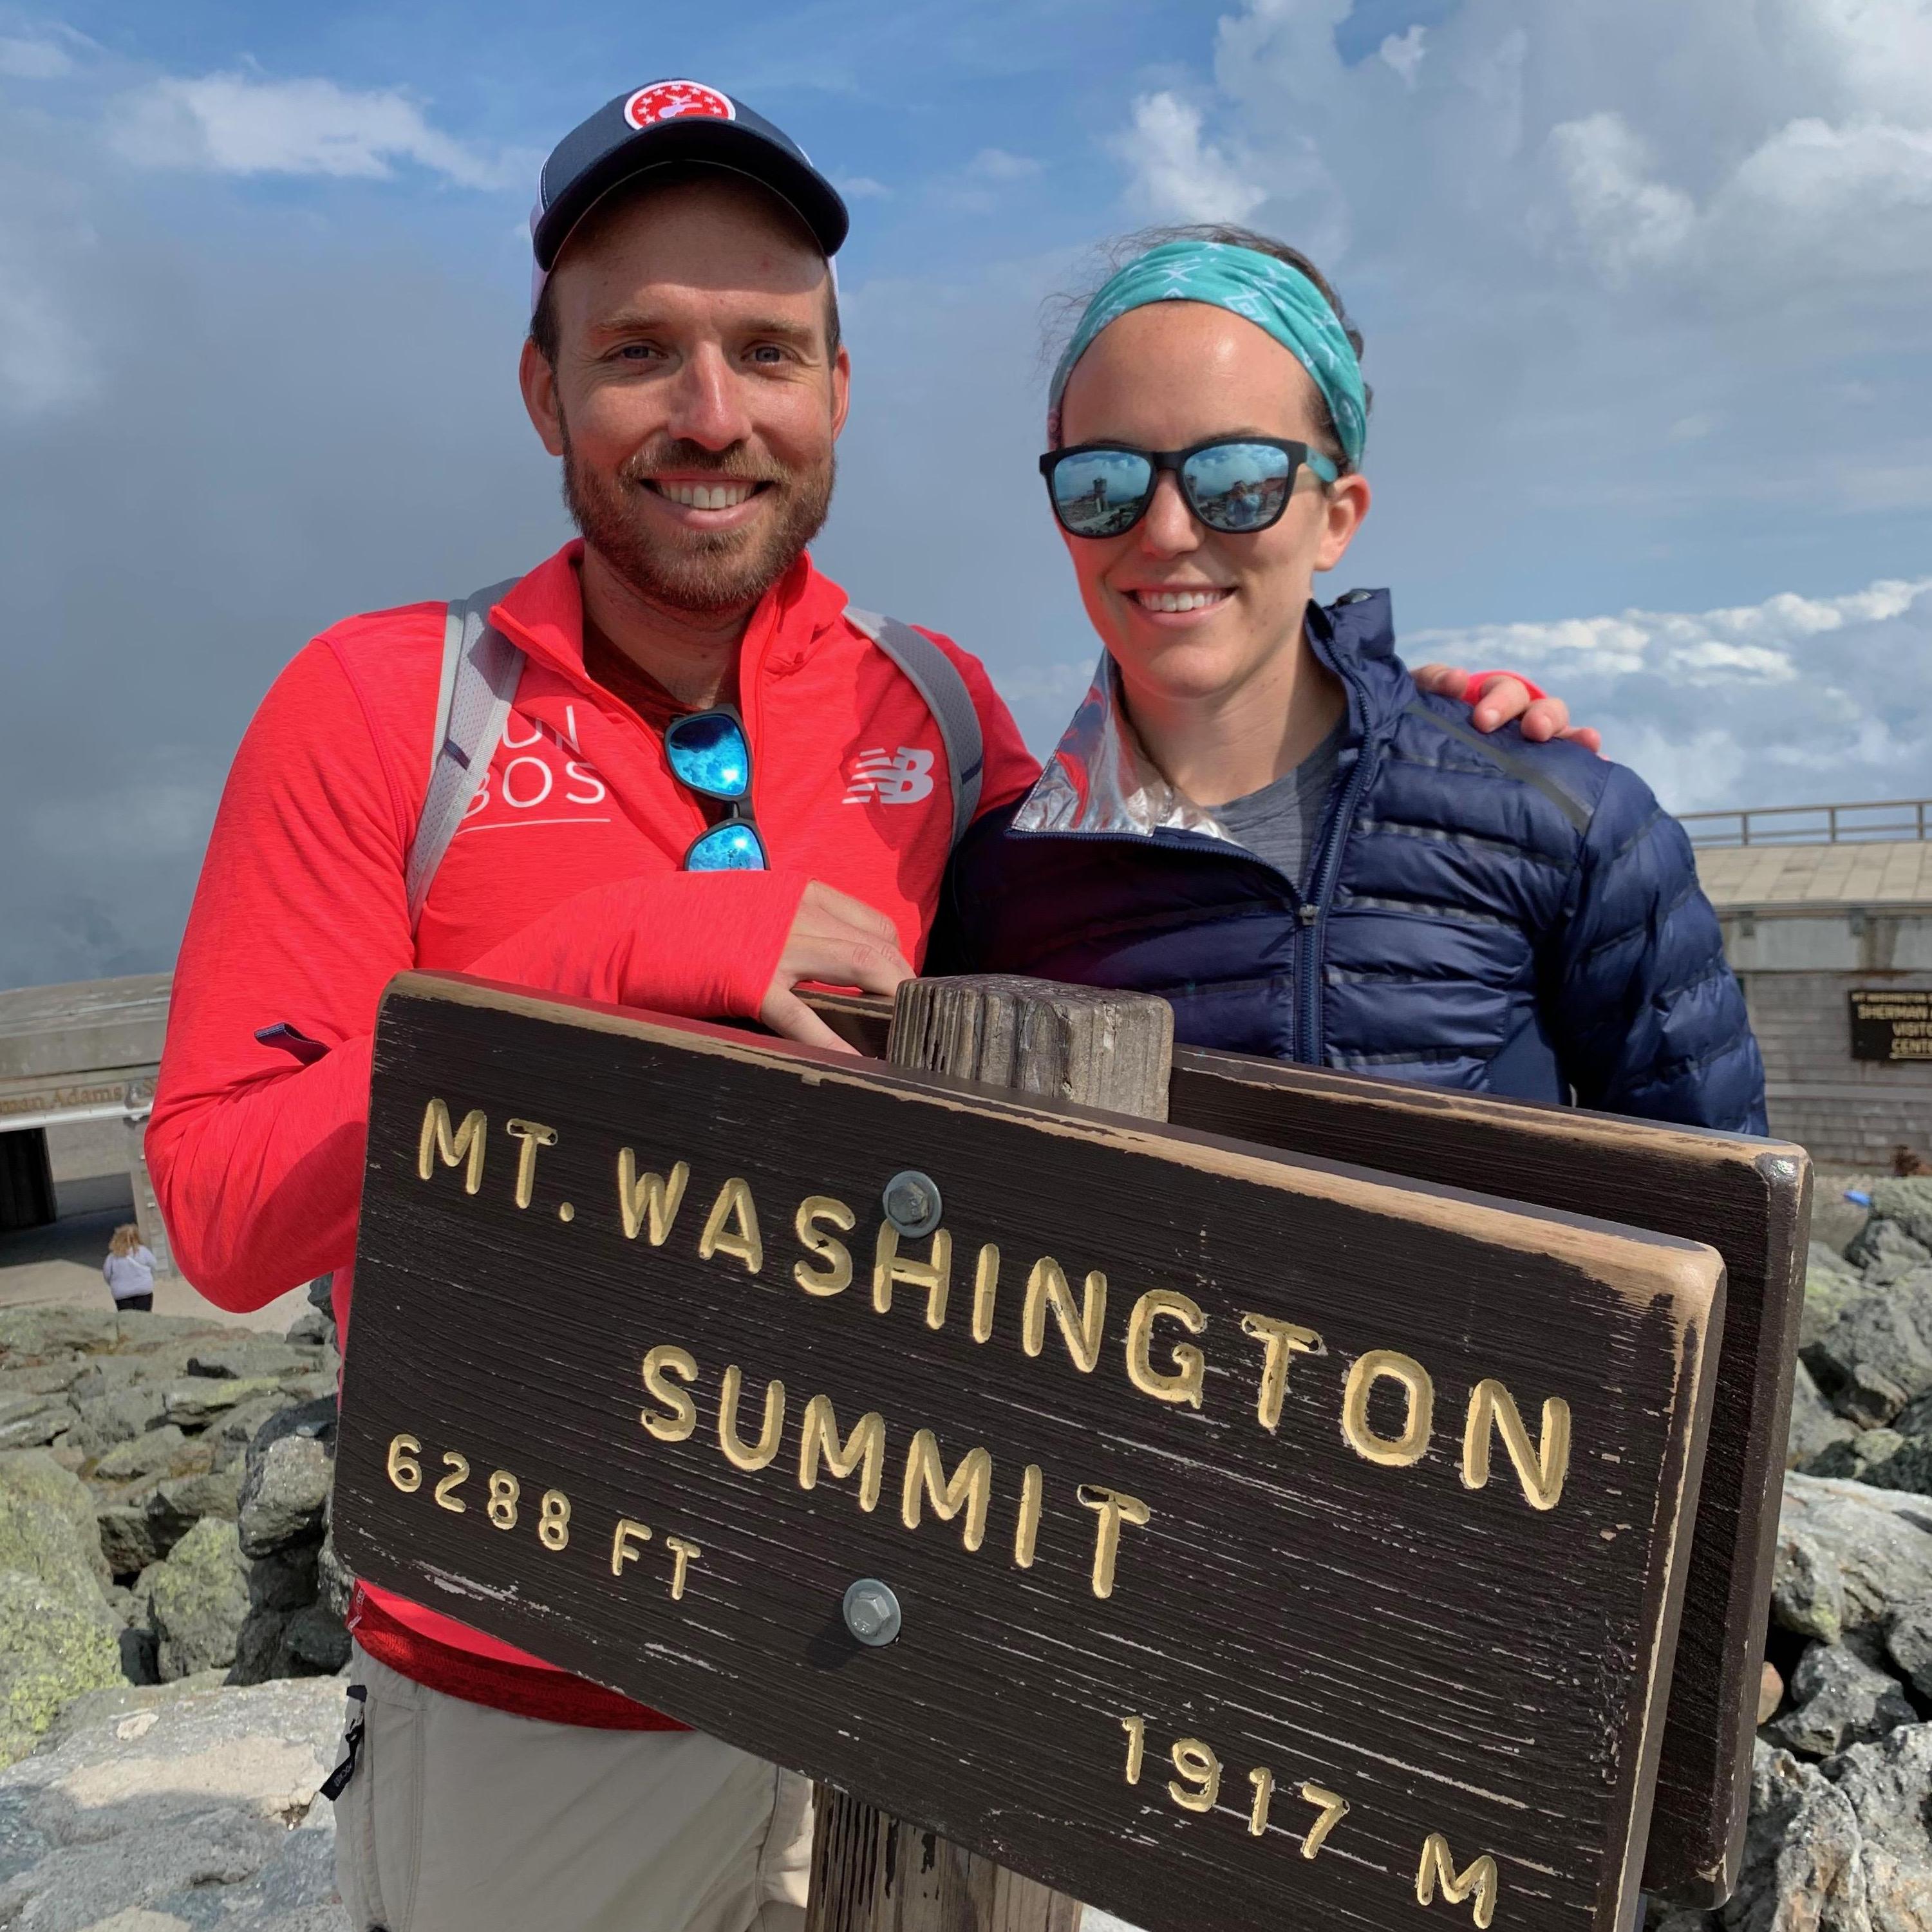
{"points": [[970, 1488], [934, 1275], [683, 1555], [1262, 1779], [736, 1452], [1026, 1531], [649, 1201], [1282, 1341], [1438, 1868], [1182, 1383], [836, 1276], [1136, 1730], [1412, 1444], [1333, 1809], [1114, 1508], [663, 1360], [1201, 1769], [1539, 1467], [734, 1204], [437, 1143], [533, 1134], [1046, 1288], [626, 1534], [866, 1444], [986, 1287]]}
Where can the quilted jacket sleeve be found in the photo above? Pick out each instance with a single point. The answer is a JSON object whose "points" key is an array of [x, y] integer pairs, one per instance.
{"points": [[1647, 1016]]}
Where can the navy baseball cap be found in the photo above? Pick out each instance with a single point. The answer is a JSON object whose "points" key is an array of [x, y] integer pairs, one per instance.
{"points": [[668, 121]]}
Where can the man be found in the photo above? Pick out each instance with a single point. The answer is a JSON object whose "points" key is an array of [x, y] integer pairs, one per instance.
{"points": [[684, 363]]}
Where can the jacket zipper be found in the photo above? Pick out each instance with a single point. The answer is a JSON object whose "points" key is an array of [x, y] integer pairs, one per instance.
{"points": [[1314, 909]]}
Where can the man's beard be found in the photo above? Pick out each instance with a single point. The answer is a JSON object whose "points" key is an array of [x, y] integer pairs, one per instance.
{"points": [[705, 572]]}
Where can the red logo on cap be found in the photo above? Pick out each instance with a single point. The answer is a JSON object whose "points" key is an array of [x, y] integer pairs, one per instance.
{"points": [[676, 100]]}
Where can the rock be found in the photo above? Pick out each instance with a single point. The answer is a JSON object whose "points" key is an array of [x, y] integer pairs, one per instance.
{"points": [[1846, 1553], [1884, 1252], [1882, 1458], [1830, 1282], [318, 1386], [263, 1358], [285, 1581], [1877, 1356], [164, 1451], [1888, 1785], [119, 1415], [197, 1400], [1770, 1692], [1908, 1642], [333, 1583], [52, 1646], [311, 1329], [197, 1598], [1837, 1699], [1815, 1427], [290, 1464], [1908, 1204], [41, 1378], [34, 1333], [143, 1526], [316, 1642], [29, 1421], [47, 1527], [1801, 1871], [187, 1793]]}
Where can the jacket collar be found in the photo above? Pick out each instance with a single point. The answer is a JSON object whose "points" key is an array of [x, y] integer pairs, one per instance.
{"points": [[543, 613], [1100, 779]]}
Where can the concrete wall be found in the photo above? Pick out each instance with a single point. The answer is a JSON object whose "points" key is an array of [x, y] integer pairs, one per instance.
{"points": [[1796, 970]]}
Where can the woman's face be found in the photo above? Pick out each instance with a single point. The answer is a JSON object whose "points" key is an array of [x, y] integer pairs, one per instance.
{"points": [[1165, 376]]}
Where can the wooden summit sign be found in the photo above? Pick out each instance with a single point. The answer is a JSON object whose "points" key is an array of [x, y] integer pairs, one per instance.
{"points": [[1275, 1543]]}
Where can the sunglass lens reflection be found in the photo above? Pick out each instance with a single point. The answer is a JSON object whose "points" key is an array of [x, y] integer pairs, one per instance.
{"points": [[1238, 486], [1099, 493], [732, 847], [708, 753]]}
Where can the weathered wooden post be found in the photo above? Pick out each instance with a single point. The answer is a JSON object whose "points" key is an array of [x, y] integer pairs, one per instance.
{"points": [[871, 1872]]}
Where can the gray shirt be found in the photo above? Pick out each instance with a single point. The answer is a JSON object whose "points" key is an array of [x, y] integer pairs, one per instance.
{"points": [[1277, 823]]}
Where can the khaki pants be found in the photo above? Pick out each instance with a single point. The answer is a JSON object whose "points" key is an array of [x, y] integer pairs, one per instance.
{"points": [[461, 1819]]}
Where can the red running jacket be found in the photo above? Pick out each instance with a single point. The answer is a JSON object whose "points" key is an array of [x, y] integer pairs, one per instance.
{"points": [[564, 877]]}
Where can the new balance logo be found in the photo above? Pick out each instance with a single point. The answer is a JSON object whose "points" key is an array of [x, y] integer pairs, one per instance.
{"points": [[903, 777]]}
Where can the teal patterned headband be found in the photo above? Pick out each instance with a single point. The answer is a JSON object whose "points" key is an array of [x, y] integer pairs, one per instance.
{"points": [[1245, 282]]}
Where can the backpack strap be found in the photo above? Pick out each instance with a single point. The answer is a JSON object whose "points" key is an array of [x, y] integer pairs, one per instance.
{"points": [[481, 667], [937, 679]]}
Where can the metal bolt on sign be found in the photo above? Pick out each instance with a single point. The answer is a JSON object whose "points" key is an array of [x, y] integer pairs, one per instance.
{"points": [[872, 1612], [912, 1203]]}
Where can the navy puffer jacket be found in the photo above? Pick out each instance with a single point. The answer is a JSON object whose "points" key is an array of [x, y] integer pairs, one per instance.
{"points": [[1476, 912]]}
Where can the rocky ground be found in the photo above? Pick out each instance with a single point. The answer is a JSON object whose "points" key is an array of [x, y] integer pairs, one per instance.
{"points": [[164, 1489]]}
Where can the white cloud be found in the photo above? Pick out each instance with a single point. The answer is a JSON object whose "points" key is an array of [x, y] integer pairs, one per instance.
{"points": [[862, 187], [33, 60], [1178, 176], [236, 124], [1404, 52], [1628, 219], [1774, 703]]}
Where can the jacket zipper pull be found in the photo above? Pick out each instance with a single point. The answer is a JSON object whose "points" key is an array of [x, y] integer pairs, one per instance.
{"points": [[1310, 913]]}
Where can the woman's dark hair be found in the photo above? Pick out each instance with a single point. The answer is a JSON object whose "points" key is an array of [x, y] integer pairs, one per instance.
{"points": [[1066, 310]]}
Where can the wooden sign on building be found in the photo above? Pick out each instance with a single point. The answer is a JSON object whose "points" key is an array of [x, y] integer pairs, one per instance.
{"points": [[1253, 1530], [1891, 1025]]}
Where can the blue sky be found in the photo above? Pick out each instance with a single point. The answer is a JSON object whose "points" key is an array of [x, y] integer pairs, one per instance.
{"points": [[1643, 287]]}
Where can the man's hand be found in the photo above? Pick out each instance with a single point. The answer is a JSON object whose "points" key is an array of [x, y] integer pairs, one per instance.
{"points": [[835, 941], [1504, 698]]}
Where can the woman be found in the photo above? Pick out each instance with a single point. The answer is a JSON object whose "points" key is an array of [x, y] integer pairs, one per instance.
{"points": [[129, 1269], [1257, 814]]}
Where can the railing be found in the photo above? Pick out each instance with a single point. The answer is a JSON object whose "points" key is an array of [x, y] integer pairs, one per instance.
{"points": [[1892, 819]]}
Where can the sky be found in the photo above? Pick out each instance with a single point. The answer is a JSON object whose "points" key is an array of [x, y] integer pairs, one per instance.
{"points": [[1643, 285]]}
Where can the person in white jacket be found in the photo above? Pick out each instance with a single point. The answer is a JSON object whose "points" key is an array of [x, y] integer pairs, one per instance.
{"points": [[129, 1269]]}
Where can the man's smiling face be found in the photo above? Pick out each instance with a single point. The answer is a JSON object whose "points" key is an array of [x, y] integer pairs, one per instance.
{"points": [[692, 390]]}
